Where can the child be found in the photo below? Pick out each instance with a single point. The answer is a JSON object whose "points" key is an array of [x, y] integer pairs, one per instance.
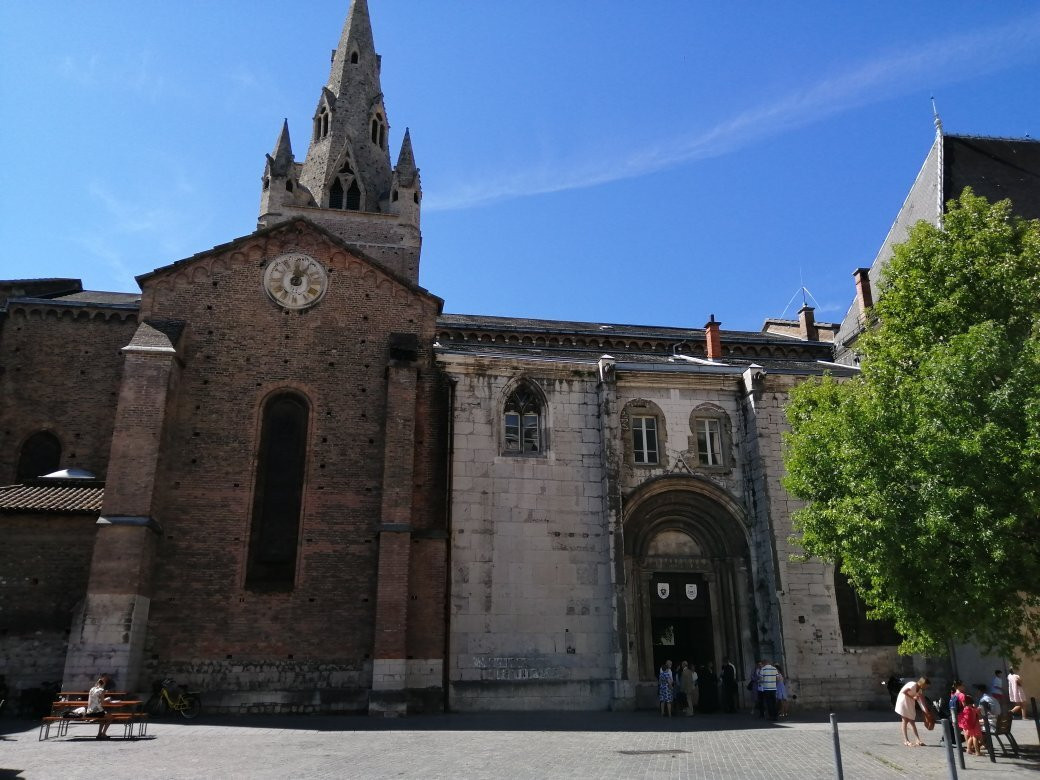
{"points": [[969, 725]]}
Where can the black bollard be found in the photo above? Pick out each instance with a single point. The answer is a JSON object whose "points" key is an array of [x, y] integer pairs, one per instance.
{"points": [[838, 772], [1036, 715], [957, 732], [948, 730]]}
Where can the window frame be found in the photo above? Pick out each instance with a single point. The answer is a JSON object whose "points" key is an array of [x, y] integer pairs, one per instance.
{"points": [[523, 422], [639, 408], [642, 453], [702, 418]]}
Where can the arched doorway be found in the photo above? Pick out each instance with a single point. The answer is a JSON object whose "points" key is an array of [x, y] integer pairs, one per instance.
{"points": [[687, 574]]}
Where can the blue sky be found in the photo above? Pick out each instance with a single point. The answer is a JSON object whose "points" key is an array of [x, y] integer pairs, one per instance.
{"points": [[650, 162]]}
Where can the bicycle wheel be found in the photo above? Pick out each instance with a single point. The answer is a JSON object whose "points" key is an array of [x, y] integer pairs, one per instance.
{"points": [[155, 705], [192, 706]]}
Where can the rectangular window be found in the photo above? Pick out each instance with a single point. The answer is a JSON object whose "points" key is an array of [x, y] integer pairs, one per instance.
{"points": [[644, 439], [709, 443], [531, 438], [522, 432], [512, 432]]}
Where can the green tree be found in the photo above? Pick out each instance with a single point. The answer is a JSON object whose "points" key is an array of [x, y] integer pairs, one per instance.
{"points": [[922, 474]]}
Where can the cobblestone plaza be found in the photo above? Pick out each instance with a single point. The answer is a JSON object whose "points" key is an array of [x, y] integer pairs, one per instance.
{"points": [[509, 745]]}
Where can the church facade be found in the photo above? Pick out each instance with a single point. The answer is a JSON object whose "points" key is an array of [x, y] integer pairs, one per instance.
{"points": [[282, 475]]}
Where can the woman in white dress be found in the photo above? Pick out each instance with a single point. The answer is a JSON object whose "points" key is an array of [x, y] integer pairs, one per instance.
{"points": [[909, 697]]}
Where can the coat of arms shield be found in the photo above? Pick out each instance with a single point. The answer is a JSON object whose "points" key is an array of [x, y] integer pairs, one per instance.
{"points": [[663, 589], [691, 591]]}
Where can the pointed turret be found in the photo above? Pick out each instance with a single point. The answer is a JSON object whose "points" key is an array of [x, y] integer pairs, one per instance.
{"points": [[406, 172], [280, 184], [281, 163], [406, 189]]}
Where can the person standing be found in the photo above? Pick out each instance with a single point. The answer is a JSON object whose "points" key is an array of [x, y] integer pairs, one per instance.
{"points": [[687, 684], [1016, 693], [767, 677], [756, 690], [666, 688], [729, 686], [910, 696]]}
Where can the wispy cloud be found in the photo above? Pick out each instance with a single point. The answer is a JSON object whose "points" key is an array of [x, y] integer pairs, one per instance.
{"points": [[941, 61], [137, 75]]}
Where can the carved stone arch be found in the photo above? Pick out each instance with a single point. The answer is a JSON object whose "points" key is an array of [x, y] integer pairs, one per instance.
{"points": [[686, 529], [345, 173], [641, 407]]}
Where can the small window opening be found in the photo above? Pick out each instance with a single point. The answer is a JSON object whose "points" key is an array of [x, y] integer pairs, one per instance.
{"points": [[41, 454], [354, 197], [354, 58], [336, 195], [289, 185]]}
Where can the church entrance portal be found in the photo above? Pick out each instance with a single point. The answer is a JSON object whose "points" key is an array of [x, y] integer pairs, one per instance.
{"points": [[687, 567]]}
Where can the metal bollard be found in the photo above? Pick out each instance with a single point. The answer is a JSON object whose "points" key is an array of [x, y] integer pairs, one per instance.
{"points": [[838, 772], [948, 731], [954, 718]]}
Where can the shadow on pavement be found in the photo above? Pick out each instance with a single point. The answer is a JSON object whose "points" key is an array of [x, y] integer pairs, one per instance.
{"points": [[641, 721]]}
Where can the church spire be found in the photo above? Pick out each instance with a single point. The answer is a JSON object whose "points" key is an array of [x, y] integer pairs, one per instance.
{"points": [[356, 48], [347, 183]]}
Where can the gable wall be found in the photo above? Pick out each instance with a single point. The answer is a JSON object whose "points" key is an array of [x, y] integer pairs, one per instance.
{"points": [[238, 349]]}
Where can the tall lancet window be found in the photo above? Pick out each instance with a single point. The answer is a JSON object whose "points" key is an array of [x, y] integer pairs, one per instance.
{"points": [[344, 193], [278, 496], [522, 422]]}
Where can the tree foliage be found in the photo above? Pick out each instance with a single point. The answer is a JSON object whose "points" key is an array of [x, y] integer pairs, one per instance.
{"points": [[922, 474]]}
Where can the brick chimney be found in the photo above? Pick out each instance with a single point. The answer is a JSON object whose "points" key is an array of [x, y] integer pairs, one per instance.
{"points": [[864, 297], [712, 342], [808, 322]]}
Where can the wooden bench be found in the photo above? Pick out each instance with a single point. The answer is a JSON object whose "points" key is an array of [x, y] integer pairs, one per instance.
{"points": [[122, 711]]}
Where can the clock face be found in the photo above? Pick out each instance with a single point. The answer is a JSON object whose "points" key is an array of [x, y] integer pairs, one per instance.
{"points": [[295, 280]]}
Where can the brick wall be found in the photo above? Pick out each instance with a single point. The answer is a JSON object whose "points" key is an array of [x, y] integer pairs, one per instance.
{"points": [[44, 563], [59, 371]]}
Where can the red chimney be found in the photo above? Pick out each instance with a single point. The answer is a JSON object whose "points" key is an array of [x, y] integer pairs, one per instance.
{"points": [[863, 294], [711, 339], [808, 321]]}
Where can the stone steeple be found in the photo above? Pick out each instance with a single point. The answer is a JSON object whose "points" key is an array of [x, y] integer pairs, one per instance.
{"points": [[346, 182], [348, 162]]}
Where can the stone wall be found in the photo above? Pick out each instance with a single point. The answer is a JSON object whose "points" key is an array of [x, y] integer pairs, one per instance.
{"points": [[532, 611]]}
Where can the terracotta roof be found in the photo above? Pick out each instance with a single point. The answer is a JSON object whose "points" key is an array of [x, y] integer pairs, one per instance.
{"points": [[70, 497]]}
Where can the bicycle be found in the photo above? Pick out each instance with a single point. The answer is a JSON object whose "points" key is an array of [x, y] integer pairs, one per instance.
{"points": [[167, 695]]}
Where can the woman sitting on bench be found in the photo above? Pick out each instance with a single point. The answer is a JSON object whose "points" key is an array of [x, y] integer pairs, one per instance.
{"points": [[96, 706]]}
